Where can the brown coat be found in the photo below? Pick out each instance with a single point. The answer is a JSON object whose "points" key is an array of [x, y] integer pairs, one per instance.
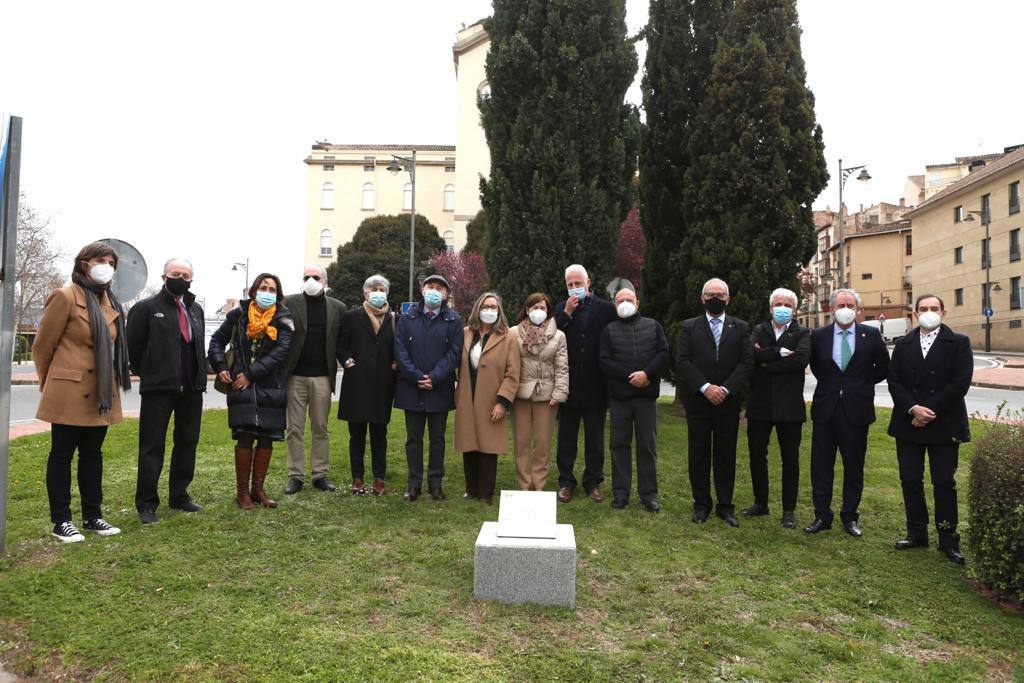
{"points": [[65, 361], [544, 376], [498, 375]]}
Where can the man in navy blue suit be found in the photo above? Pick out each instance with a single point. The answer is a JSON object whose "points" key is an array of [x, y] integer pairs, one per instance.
{"points": [[848, 360]]}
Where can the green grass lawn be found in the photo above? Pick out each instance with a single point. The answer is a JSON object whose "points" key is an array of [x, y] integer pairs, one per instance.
{"points": [[342, 587]]}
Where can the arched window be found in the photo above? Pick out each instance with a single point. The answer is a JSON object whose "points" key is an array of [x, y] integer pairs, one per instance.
{"points": [[327, 196], [483, 91], [449, 241], [407, 197], [449, 197], [369, 197], [326, 242]]}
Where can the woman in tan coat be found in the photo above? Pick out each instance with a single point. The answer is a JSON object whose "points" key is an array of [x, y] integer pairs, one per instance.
{"points": [[82, 361], [488, 380], [543, 385]]}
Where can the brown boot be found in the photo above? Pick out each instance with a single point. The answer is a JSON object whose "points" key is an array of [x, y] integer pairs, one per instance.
{"points": [[243, 466], [260, 465]]}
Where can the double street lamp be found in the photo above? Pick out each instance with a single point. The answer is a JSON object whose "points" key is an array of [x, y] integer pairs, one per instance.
{"points": [[844, 173], [408, 164], [245, 267]]}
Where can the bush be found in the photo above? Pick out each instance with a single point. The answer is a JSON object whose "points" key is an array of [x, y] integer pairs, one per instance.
{"points": [[995, 501]]}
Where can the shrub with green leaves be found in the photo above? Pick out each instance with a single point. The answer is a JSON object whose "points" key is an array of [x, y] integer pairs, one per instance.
{"points": [[995, 498]]}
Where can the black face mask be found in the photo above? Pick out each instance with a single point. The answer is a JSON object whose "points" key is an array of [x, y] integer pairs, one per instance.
{"points": [[715, 306], [177, 286]]}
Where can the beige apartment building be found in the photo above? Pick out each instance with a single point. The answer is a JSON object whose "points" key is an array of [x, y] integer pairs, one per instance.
{"points": [[952, 256], [347, 183]]}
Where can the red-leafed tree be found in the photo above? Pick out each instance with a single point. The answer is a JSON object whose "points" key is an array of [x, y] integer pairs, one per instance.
{"points": [[629, 254], [466, 274]]}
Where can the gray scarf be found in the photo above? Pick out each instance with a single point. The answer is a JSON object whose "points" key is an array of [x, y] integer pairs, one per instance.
{"points": [[111, 355]]}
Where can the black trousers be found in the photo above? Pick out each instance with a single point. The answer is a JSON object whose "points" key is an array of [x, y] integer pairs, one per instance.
{"points": [[788, 434], [64, 440], [852, 442], [639, 415], [378, 448], [154, 416], [415, 424], [711, 440], [593, 446], [942, 460], [481, 473]]}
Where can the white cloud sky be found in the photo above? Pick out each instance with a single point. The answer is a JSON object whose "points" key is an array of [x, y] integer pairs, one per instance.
{"points": [[181, 128]]}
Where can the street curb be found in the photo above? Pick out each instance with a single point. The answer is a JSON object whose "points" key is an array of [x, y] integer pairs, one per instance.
{"points": [[993, 385]]}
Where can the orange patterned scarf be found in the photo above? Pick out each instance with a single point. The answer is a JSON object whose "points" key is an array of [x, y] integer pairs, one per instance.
{"points": [[259, 322]]}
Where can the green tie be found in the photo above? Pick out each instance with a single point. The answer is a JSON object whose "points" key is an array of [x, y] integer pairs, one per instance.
{"points": [[846, 351]]}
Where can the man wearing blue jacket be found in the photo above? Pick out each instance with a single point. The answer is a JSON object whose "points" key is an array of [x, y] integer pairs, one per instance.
{"points": [[428, 348]]}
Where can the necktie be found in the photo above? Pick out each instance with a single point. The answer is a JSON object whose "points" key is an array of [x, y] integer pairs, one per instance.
{"points": [[846, 351], [186, 330], [716, 330]]}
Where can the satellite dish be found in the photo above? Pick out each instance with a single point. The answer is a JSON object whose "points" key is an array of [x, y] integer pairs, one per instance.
{"points": [[131, 274]]}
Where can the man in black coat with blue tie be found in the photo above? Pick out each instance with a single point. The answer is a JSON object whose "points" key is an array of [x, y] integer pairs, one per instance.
{"points": [[848, 360], [929, 376]]}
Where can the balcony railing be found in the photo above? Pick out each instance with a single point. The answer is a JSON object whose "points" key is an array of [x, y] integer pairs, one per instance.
{"points": [[908, 283]]}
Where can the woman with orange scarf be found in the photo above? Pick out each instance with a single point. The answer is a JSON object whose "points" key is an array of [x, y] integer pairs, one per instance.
{"points": [[256, 336]]}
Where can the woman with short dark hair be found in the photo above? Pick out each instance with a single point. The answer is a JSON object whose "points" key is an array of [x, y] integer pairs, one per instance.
{"points": [[259, 333], [82, 361]]}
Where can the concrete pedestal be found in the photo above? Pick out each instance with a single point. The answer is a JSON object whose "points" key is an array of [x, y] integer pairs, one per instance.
{"points": [[541, 571]]}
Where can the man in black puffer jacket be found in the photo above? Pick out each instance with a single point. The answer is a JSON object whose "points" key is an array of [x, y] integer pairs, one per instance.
{"points": [[633, 354]]}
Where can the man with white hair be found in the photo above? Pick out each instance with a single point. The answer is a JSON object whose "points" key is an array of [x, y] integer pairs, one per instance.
{"points": [[582, 317], [166, 345], [311, 371], [782, 350]]}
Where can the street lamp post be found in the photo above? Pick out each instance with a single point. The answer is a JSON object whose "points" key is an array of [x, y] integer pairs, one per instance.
{"points": [[844, 173], [987, 302], [882, 301], [408, 164], [245, 267]]}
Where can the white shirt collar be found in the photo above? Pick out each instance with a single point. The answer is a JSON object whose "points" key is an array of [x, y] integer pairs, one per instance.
{"points": [[930, 335], [839, 330], [720, 318]]}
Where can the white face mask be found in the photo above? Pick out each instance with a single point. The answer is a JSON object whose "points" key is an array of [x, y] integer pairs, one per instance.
{"points": [[627, 309], [312, 287], [102, 273], [845, 316], [538, 316], [929, 320], [489, 316]]}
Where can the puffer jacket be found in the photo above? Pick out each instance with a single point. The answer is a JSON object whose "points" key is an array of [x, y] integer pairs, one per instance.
{"points": [[544, 376]]}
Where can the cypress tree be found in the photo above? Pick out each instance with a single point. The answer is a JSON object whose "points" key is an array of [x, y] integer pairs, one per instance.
{"points": [[559, 137], [757, 163]]}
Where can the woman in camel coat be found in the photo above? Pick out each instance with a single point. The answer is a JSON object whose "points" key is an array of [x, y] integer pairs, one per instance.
{"points": [[488, 381]]}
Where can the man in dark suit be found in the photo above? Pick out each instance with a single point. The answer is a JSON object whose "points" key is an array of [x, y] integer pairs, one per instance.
{"points": [[582, 317], [848, 360], [929, 376], [782, 349], [714, 358]]}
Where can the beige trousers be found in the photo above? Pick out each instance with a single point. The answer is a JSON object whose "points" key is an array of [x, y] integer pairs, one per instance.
{"points": [[310, 395], [533, 423]]}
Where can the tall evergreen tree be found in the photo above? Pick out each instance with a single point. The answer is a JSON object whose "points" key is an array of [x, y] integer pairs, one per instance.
{"points": [[757, 163], [559, 137], [681, 39]]}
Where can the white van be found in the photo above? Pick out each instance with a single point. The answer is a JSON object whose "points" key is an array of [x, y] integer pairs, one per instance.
{"points": [[892, 330]]}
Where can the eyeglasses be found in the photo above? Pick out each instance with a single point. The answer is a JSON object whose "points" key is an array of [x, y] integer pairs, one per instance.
{"points": [[717, 295], [315, 277]]}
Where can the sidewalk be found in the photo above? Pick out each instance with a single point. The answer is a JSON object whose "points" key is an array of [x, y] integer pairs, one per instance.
{"points": [[999, 378]]}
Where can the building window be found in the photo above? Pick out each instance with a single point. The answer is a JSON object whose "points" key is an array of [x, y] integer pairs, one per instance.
{"points": [[1015, 245], [910, 249], [328, 158], [1015, 293], [326, 243], [407, 197], [986, 252], [908, 277], [369, 197], [449, 241], [986, 208], [327, 196], [484, 90], [449, 197], [910, 299], [958, 255], [865, 276], [369, 164], [984, 295], [449, 164], [958, 214], [958, 297], [328, 167], [1015, 324], [1015, 197], [449, 169]]}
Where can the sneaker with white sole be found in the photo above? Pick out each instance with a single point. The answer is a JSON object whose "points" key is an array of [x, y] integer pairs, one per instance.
{"points": [[66, 532], [100, 527]]}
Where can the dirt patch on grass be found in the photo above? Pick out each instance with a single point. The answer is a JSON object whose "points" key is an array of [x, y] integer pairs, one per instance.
{"points": [[892, 624], [28, 661], [917, 653], [40, 553]]}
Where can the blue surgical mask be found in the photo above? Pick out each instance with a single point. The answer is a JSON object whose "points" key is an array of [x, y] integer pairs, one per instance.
{"points": [[432, 298], [377, 299], [266, 299], [782, 314], [579, 292]]}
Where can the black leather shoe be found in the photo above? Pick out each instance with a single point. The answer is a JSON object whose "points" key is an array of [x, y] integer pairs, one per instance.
{"points": [[437, 494], [699, 516], [148, 517], [819, 524], [755, 510], [412, 494], [728, 518], [853, 528], [652, 505], [953, 554], [293, 486], [324, 484], [187, 506], [619, 503], [908, 543], [788, 519]]}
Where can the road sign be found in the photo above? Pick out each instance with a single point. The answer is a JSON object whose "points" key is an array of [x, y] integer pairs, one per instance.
{"points": [[988, 312]]}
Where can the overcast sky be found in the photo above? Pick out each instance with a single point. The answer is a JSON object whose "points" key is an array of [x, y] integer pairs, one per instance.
{"points": [[181, 127]]}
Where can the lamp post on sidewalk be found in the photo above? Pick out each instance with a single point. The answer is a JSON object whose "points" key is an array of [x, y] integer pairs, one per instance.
{"points": [[844, 173], [245, 282], [408, 164], [986, 215]]}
